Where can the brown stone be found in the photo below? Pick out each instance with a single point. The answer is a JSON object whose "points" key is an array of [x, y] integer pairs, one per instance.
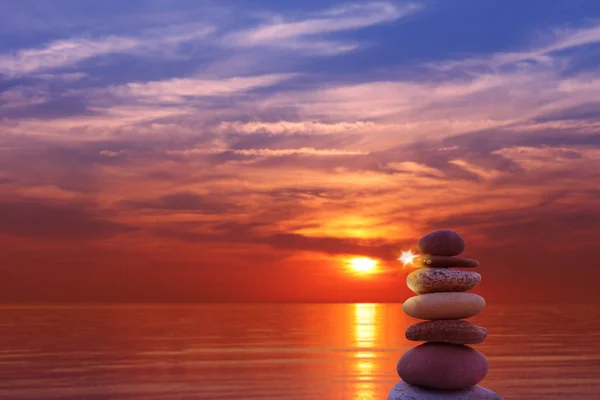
{"points": [[430, 280], [453, 331], [442, 243], [427, 260], [442, 366]]}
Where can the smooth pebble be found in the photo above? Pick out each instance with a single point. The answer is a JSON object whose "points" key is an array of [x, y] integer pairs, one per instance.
{"points": [[442, 243], [454, 331], [444, 305], [442, 366]]}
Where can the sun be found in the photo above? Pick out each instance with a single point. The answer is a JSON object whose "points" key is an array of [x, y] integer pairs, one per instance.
{"points": [[363, 265]]}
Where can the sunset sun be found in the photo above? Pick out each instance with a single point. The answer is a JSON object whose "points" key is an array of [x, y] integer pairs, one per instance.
{"points": [[363, 265]]}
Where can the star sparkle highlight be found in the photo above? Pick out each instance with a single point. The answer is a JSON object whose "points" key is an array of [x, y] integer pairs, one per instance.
{"points": [[407, 257]]}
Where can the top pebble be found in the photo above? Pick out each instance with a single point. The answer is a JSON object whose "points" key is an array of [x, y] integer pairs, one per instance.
{"points": [[442, 243]]}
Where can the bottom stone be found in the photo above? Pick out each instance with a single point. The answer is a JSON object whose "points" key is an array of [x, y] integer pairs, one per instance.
{"points": [[404, 391]]}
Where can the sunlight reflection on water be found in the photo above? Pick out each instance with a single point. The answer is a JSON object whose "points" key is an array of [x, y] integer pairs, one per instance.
{"points": [[365, 330]]}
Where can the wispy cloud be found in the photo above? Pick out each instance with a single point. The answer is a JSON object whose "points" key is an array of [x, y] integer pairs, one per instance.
{"points": [[70, 52], [334, 20], [310, 151], [62, 53], [306, 34], [301, 34], [178, 89], [67, 77], [292, 127], [543, 53], [303, 151], [17, 97]]}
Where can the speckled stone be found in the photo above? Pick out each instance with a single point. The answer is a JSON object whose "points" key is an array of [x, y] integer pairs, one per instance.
{"points": [[427, 260], [404, 391], [442, 243], [442, 366], [453, 331], [445, 305], [431, 280]]}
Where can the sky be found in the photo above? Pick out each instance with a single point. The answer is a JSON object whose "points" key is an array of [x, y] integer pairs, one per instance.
{"points": [[179, 151]]}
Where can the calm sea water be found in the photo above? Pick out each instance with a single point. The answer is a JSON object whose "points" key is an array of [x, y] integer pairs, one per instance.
{"points": [[276, 351]]}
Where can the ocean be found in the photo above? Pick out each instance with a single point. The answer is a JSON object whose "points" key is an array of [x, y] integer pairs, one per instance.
{"points": [[276, 351]]}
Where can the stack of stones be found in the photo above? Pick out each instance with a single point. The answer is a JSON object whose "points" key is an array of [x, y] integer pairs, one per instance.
{"points": [[443, 367]]}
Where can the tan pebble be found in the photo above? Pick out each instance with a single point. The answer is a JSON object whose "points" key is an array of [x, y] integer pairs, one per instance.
{"points": [[445, 305]]}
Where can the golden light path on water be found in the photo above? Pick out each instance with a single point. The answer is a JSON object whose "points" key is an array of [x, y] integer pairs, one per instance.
{"points": [[365, 335], [367, 329]]}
